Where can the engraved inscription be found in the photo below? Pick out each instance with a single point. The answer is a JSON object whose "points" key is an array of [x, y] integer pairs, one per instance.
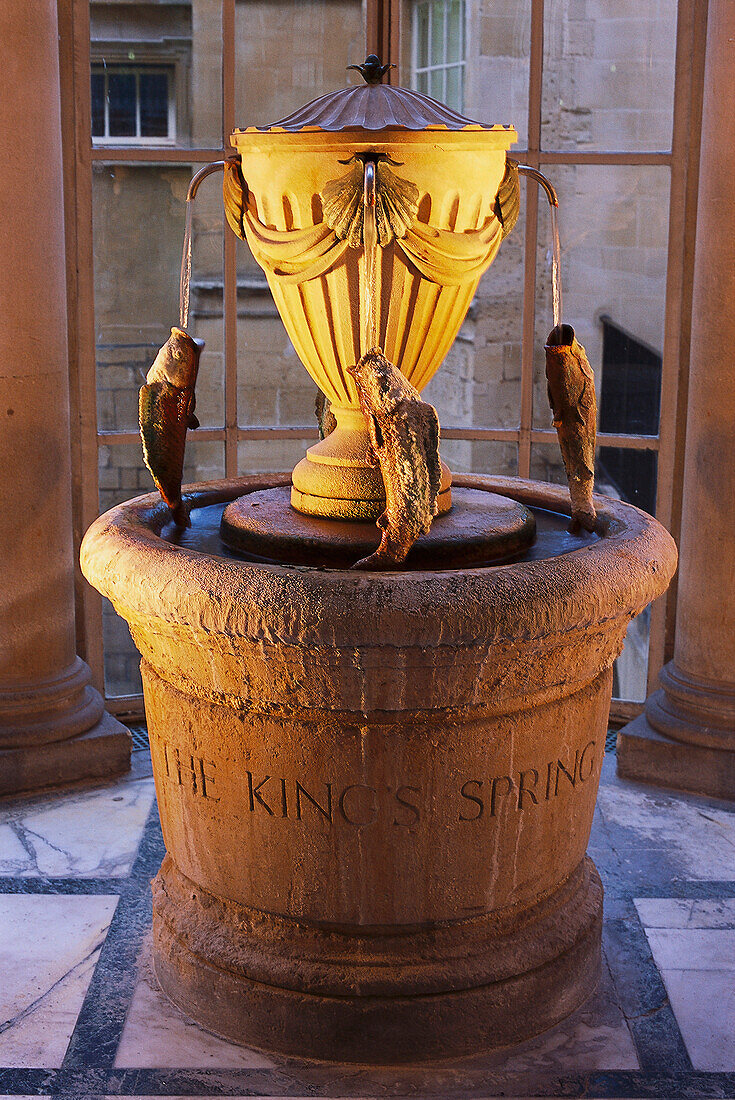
{"points": [[192, 772], [524, 787], [326, 803]]}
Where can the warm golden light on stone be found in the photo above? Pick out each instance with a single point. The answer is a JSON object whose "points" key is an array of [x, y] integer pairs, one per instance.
{"points": [[427, 267]]}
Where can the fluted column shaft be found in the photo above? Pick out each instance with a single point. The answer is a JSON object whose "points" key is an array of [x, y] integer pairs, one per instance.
{"points": [[695, 708], [45, 692]]}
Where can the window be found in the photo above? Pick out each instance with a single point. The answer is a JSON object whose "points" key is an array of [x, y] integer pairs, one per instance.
{"points": [[133, 104], [439, 50], [630, 398]]}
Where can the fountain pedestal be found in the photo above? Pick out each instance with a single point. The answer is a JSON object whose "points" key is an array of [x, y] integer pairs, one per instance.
{"points": [[376, 790]]}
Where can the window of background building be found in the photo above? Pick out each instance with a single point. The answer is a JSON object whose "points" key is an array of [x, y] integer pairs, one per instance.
{"points": [[132, 104], [590, 90], [439, 60]]}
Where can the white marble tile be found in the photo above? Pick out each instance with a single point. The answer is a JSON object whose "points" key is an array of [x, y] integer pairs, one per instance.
{"points": [[677, 913], [48, 949], [75, 834], [595, 1037], [156, 1035], [693, 948], [698, 835], [704, 1005]]}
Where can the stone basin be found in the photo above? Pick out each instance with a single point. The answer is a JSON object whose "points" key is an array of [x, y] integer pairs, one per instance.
{"points": [[376, 789]]}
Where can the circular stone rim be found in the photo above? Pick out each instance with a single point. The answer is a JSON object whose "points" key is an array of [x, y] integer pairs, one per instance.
{"points": [[147, 578]]}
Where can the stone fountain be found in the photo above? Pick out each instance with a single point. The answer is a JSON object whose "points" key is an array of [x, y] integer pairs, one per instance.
{"points": [[376, 788]]}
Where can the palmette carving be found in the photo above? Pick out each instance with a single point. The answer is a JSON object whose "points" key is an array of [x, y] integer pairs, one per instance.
{"points": [[571, 389], [166, 411], [404, 434], [396, 204]]}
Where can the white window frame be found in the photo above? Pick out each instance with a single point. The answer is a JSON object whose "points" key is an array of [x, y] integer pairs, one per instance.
{"points": [[444, 66]]}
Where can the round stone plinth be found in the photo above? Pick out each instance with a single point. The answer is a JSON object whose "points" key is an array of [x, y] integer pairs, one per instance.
{"points": [[376, 995], [482, 527], [376, 789]]}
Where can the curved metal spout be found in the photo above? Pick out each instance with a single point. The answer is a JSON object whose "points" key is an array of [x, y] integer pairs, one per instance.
{"points": [[542, 181], [207, 170]]}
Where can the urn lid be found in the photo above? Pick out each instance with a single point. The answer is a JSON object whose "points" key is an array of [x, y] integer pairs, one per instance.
{"points": [[374, 106]]}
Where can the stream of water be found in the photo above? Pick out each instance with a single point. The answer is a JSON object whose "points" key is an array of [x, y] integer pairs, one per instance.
{"points": [[185, 270], [555, 265], [371, 308]]}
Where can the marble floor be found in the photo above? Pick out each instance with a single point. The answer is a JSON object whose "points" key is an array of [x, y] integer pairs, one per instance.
{"points": [[81, 1015]]}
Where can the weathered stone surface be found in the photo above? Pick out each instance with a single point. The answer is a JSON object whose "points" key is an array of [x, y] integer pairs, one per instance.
{"points": [[481, 528], [376, 790]]}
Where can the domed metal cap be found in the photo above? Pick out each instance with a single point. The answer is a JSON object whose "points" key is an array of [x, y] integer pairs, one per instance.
{"points": [[374, 106]]}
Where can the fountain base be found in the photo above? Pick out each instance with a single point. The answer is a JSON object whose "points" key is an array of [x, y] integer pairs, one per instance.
{"points": [[376, 790], [378, 995], [481, 528], [336, 479]]}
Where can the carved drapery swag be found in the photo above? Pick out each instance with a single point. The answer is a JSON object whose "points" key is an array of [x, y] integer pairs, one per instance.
{"points": [[440, 255]]}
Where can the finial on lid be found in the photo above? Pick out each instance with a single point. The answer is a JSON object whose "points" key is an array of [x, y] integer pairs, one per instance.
{"points": [[372, 70]]}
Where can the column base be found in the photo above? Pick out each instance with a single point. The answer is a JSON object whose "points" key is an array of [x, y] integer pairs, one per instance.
{"points": [[376, 994], [102, 751], [648, 756]]}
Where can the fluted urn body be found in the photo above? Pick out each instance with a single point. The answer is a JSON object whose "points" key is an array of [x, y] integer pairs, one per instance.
{"points": [[296, 197]]}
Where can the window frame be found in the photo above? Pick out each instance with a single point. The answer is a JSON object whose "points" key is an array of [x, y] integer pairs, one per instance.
{"points": [[137, 69], [420, 70], [383, 29]]}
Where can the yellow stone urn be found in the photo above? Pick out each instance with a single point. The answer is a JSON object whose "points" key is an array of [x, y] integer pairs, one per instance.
{"points": [[373, 211]]}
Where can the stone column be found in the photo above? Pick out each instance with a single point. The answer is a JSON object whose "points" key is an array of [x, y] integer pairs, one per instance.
{"points": [[53, 727], [686, 737]]}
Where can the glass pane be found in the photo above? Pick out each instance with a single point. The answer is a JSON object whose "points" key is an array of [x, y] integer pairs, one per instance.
{"points": [[436, 84], [186, 39], [438, 12], [627, 475], [483, 456], [121, 658], [121, 99], [620, 472], [98, 104], [138, 216], [479, 382], [422, 34], [122, 475], [289, 53], [257, 456], [630, 670], [454, 88], [608, 74], [613, 224], [153, 104], [455, 29], [497, 50]]}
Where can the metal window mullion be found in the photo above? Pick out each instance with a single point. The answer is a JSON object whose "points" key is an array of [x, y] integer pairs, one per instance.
{"points": [[531, 230], [152, 154], [229, 255]]}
